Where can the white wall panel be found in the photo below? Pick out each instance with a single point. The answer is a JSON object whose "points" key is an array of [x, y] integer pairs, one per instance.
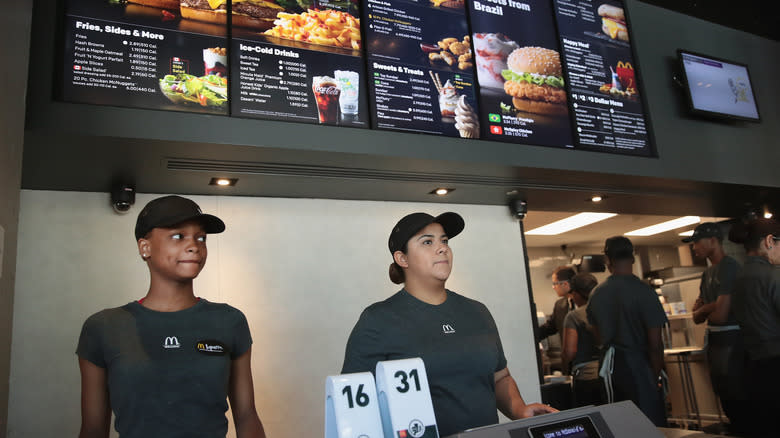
{"points": [[301, 270]]}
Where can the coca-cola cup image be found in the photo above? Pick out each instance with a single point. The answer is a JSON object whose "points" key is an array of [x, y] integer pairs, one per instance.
{"points": [[215, 61], [327, 92]]}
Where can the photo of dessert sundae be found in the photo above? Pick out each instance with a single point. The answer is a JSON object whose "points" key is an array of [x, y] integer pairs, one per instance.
{"points": [[466, 121], [448, 98], [492, 50]]}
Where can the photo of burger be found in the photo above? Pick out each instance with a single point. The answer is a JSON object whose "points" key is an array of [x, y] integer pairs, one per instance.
{"points": [[534, 79], [162, 4], [253, 14], [204, 10], [613, 22]]}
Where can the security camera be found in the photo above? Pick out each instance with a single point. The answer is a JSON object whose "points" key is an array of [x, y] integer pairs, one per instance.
{"points": [[519, 208], [122, 198]]}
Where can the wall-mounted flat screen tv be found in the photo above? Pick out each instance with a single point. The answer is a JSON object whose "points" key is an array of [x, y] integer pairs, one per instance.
{"points": [[718, 88]]}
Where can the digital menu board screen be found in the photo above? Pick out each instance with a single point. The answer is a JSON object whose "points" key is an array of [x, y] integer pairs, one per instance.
{"points": [[555, 73], [605, 103], [127, 54], [421, 67], [302, 64], [522, 93]]}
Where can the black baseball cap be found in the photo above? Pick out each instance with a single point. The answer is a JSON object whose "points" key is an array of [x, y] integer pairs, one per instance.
{"points": [[171, 210], [410, 224], [618, 247], [703, 230]]}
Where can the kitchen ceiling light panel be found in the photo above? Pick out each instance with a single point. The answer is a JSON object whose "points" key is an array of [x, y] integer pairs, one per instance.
{"points": [[570, 223], [665, 226]]}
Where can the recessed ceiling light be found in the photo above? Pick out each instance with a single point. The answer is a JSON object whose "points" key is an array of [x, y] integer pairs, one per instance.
{"points": [[686, 233], [665, 226], [596, 198], [570, 223], [441, 191], [223, 182]]}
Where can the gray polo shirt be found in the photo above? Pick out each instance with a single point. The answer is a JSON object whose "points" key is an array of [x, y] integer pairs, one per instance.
{"points": [[719, 280], [756, 305], [623, 308]]}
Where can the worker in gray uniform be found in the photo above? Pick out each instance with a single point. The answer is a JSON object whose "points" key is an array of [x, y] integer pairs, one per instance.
{"points": [[725, 351], [627, 318]]}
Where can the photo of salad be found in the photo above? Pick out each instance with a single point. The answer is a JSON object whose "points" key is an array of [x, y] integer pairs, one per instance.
{"points": [[206, 91]]}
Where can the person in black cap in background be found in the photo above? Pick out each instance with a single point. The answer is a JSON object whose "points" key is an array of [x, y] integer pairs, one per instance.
{"points": [[628, 318], [580, 347], [561, 284], [725, 351], [756, 305], [166, 363], [455, 336]]}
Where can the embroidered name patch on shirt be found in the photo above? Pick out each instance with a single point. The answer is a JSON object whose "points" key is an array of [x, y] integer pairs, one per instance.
{"points": [[211, 347]]}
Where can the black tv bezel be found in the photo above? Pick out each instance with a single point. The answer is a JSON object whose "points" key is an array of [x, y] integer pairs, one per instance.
{"points": [[714, 114]]}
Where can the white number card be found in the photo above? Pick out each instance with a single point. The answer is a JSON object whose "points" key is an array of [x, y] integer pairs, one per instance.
{"points": [[351, 407], [405, 399]]}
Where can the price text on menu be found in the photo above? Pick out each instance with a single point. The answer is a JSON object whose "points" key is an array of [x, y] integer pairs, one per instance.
{"points": [[421, 67], [605, 103], [129, 55]]}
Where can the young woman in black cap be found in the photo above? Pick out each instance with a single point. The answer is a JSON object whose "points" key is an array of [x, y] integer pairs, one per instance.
{"points": [[455, 336], [166, 363], [756, 303]]}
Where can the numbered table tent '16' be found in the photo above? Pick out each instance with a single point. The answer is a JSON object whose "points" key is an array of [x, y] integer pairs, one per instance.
{"points": [[352, 407]]}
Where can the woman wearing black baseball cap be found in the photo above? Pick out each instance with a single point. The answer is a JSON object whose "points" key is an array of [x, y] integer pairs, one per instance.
{"points": [[756, 303], [455, 336], [166, 364]]}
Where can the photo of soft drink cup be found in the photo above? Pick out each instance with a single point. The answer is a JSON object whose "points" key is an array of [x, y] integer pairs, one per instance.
{"points": [[349, 82], [326, 93]]}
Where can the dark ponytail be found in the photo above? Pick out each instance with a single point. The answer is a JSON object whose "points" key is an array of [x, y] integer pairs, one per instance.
{"points": [[397, 274]]}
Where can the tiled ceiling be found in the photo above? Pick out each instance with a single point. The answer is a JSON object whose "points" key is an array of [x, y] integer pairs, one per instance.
{"points": [[759, 17]]}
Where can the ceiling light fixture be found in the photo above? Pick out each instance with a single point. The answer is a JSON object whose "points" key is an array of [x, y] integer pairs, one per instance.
{"points": [[665, 226], [441, 191], [223, 182], [570, 223], [767, 215], [596, 198]]}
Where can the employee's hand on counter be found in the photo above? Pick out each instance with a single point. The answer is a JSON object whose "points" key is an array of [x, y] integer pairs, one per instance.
{"points": [[533, 409], [511, 403]]}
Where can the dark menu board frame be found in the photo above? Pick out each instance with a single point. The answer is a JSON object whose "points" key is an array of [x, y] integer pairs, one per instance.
{"points": [[127, 54], [402, 65], [522, 93], [602, 78], [315, 79], [419, 59]]}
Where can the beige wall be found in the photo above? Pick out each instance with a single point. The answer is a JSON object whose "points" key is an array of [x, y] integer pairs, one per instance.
{"points": [[14, 45], [301, 270]]}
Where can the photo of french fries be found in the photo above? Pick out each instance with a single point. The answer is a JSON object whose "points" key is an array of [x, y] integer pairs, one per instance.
{"points": [[454, 53], [327, 27]]}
